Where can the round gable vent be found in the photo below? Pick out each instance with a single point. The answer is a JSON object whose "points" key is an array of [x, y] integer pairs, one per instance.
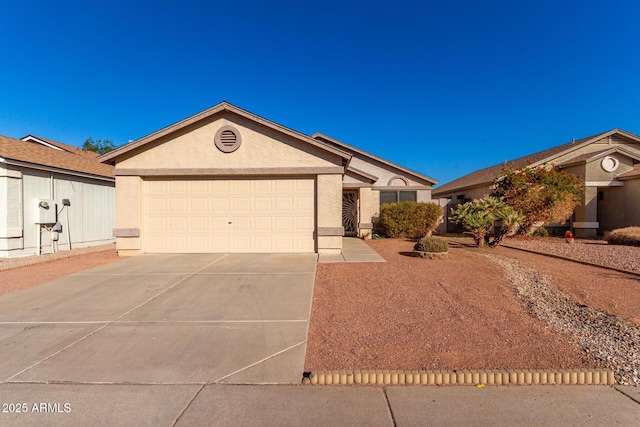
{"points": [[227, 139], [610, 164]]}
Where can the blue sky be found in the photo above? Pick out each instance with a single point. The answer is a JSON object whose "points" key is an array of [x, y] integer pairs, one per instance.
{"points": [[441, 87]]}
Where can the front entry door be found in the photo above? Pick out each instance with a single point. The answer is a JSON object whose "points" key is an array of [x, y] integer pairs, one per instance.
{"points": [[350, 212]]}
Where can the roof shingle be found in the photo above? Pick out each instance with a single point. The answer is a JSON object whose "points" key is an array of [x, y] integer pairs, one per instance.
{"points": [[69, 158], [487, 175]]}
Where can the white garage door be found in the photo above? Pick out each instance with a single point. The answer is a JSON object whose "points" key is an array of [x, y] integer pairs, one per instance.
{"points": [[241, 215]]}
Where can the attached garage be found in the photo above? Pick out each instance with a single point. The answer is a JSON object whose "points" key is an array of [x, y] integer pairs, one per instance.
{"points": [[229, 215], [226, 180]]}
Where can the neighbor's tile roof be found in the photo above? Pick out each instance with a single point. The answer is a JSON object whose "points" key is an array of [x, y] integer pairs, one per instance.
{"points": [[71, 159], [487, 175]]}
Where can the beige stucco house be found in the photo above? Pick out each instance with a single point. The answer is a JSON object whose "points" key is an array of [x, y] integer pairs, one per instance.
{"points": [[227, 180], [609, 164]]}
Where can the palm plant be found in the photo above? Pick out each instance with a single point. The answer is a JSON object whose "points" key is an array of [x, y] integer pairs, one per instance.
{"points": [[480, 217]]}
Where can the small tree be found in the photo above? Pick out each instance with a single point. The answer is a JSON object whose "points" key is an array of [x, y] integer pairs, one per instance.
{"points": [[541, 195], [480, 217], [410, 219], [99, 146]]}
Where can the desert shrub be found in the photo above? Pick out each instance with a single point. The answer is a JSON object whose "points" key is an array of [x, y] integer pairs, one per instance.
{"points": [[541, 232], [542, 195], [629, 236], [410, 219], [431, 244]]}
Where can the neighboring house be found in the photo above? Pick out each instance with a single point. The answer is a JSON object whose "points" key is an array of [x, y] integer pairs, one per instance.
{"points": [[226, 180], [36, 169], [609, 164]]}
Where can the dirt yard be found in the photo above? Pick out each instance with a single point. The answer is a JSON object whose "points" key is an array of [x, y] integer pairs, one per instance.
{"points": [[21, 276], [458, 313]]}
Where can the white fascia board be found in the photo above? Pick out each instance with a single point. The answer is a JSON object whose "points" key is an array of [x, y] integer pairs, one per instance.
{"points": [[39, 141]]}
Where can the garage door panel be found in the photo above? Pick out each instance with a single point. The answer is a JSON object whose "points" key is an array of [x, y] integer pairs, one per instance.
{"points": [[262, 243], [215, 215], [178, 224], [284, 204], [241, 224], [220, 204], [157, 205], [199, 204], [241, 205], [219, 244], [304, 204], [199, 224], [284, 224], [220, 224], [157, 225], [284, 186], [178, 243], [261, 224], [199, 186], [179, 186], [262, 204], [304, 223], [199, 243]]}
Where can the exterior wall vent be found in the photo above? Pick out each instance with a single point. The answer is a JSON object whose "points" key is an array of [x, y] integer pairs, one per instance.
{"points": [[227, 139]]}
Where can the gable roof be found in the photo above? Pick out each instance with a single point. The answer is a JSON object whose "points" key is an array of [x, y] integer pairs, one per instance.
{"points": [[28, 152], [589, 157], [60, 146], [487, 175], [332, 141], [112, 156]]}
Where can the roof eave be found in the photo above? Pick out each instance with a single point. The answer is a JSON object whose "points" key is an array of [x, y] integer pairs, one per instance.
{"points": [[38, 166], [374, 157]]}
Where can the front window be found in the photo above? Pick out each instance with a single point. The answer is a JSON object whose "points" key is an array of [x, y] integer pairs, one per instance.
{"points": [[397, 196]]}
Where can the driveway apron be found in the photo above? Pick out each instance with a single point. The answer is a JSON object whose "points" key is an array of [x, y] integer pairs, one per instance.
{"points": [[163, 319]]}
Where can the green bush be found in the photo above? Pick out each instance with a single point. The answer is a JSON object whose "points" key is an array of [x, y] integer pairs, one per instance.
{"points": [[410, 219], [431, 244], [629, 236], [541, 232]]}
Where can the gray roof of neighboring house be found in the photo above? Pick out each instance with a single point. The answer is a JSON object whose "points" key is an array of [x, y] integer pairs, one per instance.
{"points": [[487, 175]]}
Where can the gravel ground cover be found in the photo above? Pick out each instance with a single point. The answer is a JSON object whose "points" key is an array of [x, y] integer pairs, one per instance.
{"points": [[595, 252], [614, 342]]}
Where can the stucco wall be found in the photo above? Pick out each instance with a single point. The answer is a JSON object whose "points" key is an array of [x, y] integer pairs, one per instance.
{"points": [[128, 215], [631, 196], [329, 213], [369, 209], [594, 171], [194, 148], [612, 212]]}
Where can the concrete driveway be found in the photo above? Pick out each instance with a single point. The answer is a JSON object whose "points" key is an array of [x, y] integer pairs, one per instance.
{"points": [[163, 319]]}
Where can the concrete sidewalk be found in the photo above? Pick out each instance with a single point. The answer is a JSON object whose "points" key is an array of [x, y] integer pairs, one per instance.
{"points": [[282, 405], [353, 250]]}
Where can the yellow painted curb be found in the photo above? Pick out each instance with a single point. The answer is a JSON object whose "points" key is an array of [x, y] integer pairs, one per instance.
{"points": [[463, 377]]}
